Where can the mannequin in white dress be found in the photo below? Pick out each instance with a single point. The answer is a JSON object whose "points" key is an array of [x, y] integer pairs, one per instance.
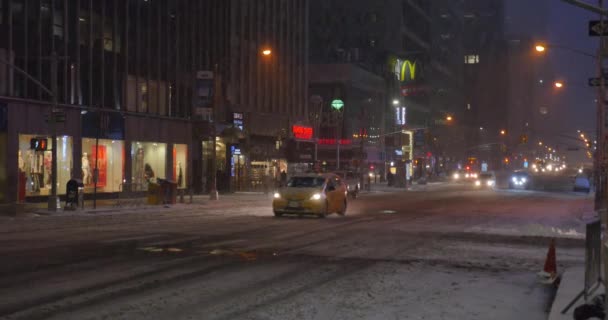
{"points": [[21, 161], [86, 169]]}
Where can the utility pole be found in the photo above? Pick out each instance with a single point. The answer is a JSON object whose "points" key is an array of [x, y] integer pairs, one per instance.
{"points": [[213, 195], [600, 166], [53, 200], [338, 137]]}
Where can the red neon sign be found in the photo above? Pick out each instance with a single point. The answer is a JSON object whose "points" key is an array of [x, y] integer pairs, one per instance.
{"points": [[301, 132], [333, 141]]}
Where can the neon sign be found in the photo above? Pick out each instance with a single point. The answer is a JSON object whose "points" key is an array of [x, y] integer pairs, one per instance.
{"points": [[405, 70], [333, 141], [302, 132], [400, 116], [337, 104]]}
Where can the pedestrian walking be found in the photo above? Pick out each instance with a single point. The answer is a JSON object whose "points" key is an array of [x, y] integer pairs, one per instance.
{"points": [[283, 178]]}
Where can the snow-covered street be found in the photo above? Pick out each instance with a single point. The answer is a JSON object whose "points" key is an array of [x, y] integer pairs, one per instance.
{"points": [[442, 252]]}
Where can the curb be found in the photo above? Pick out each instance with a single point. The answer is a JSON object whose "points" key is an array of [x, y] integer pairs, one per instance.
{"points": [[571, 284]]}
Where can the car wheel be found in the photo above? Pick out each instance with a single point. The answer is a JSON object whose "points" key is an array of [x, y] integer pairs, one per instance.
{"points": [[325, 212], [343, 211]]}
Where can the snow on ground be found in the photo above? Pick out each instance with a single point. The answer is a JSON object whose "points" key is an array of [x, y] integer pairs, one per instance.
{"points": [[392, 291], [335, 290], [531, 229]]}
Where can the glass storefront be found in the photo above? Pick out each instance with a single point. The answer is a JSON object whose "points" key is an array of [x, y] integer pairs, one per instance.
{"points": [[220, 163], [180, 165], [36, 165], [148, 163], [110, 163]]}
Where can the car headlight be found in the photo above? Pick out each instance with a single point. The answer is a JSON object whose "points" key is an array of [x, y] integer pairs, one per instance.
{"points": [[456, 176], [477, 183], [474, 175], [524, 180], [466, 175], [277, 195], [316, 196], [490, 183], [514, 179]]}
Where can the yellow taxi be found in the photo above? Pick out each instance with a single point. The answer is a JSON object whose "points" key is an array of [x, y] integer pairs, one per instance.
{"points": [[311, 194]]}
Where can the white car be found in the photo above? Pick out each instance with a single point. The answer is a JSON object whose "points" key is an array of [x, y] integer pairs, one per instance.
{"points": [[582, 183]]}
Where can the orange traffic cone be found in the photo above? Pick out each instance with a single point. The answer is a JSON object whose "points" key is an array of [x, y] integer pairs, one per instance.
{"points": [[549, 273]]}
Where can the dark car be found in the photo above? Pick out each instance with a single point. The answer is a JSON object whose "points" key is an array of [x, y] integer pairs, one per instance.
{"points": [[485, 180], [520, 180]]}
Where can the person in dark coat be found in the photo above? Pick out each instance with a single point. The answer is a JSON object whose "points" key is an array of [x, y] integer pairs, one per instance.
{"points": [[283, 178]]}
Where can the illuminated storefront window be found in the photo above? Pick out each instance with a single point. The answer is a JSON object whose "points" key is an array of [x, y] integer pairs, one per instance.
{"points": [[36, 166], [180, 165], [109, 159], [148, 163]]}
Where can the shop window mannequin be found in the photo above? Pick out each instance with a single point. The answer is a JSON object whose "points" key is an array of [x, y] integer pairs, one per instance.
{"points": [[139, 168], [180, 175], [20, 161], [86, 169]]}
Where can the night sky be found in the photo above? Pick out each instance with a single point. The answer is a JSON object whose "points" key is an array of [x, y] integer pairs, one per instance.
{"points": [[561, 23]]}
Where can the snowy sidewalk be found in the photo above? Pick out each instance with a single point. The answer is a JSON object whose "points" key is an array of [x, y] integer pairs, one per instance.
{"points": [[571, 285], [112, 206]]}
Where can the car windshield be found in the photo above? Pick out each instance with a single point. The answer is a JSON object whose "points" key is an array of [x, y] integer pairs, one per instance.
{"points": [[305, 182]]}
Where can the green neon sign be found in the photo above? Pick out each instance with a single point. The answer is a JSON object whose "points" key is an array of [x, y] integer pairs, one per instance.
{"points": [[337, 104]]}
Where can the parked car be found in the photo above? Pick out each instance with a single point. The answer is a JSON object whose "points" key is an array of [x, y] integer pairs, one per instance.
{"points": [[318, 195], [582, 183]]}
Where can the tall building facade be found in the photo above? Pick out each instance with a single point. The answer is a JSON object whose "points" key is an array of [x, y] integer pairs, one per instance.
{"points": [[486, 81], [410, 66], [141, 88], [270, 91]]}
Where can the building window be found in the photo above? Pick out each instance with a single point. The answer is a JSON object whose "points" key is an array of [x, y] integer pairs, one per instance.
{"points": [[35, 166], [372, 43], [108, 158], [373, 17], [471, 59], [58, 25], [148, 163]]}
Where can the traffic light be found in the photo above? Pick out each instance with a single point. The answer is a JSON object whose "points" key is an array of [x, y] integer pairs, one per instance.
{"points": [[38, 144]]}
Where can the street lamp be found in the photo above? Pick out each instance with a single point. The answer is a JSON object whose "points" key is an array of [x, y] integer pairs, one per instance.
{"points": [[395, 102], [266, 52], [542, 48], [503, 132], [559, 84], [449, 118]]}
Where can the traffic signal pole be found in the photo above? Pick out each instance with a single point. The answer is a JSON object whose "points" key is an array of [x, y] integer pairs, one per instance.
{"points": [[53, 200]]}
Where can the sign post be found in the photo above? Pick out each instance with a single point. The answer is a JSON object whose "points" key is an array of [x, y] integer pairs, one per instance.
{"points": [[338, 105]]}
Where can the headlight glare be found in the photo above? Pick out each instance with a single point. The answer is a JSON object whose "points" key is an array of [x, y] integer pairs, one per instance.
{"points": [[316, 196], [277, 195]]}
